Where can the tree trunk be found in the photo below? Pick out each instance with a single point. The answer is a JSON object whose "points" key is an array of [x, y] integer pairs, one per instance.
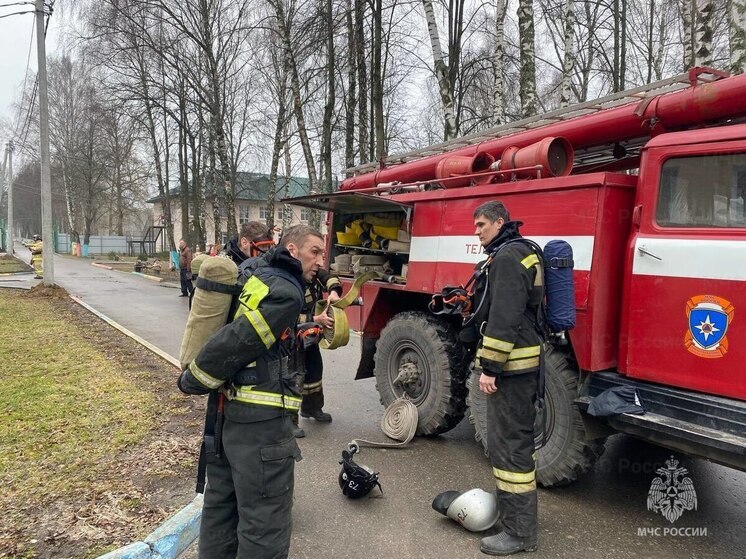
{"points": [[568, 62], [737, 36], [441, 73], [528, 65], [703, 33], [687, 23], [351, 88], [498, 111], [362, 73], [280, 126], [377, 81], [623, 46], [326, 131]]}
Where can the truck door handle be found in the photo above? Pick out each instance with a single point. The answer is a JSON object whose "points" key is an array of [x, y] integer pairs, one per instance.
{"points": [[645, 251]]}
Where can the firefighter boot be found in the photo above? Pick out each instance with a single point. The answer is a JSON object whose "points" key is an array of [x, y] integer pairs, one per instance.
{"points": [[313, 402], [505, 544], [298, 432]]}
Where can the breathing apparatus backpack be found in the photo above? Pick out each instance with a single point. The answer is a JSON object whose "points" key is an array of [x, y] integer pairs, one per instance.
{"points": [[557, 312]]}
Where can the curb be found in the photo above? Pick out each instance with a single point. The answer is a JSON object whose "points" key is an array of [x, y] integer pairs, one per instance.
{"points": [[177, 533], [152, 278], [169, 540], [104, 266], [159, 352]]}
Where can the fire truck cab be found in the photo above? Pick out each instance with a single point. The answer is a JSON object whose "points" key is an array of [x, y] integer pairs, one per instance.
{"points": [[649, 188]]}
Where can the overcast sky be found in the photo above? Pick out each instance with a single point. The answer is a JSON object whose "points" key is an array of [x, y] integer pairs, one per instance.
{"points": [[15, 37]]}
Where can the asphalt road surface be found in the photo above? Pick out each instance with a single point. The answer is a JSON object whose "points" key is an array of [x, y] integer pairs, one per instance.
{"points": [[603, 515]]}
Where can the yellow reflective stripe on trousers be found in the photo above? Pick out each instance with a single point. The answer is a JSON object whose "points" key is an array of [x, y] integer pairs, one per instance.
{"points": [[521, 364], [515, 482], [515, 477], [523, 352], [530, 260], [262, 328], [208, 381], [311, 385], [247, 396], [515, 487], [499, 345]]}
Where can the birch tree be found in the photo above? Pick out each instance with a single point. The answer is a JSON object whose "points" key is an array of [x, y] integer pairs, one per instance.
{"points": [[703, 33], [737, 35], [498, 111], [527, 79], [568, 63], [441, 73]]}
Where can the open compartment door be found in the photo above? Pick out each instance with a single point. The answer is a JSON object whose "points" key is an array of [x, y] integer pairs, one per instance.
{"points": [[365, 233]]}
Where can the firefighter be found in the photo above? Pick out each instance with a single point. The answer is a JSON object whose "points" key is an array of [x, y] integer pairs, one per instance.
{"points": [[307, 363], [254, 239], [249, 494], [36, 247], [510, 356]]}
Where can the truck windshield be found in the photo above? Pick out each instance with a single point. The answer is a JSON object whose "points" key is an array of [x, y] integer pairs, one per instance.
{"points": [[703, 191]]}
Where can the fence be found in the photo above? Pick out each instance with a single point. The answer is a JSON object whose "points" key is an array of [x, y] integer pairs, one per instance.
{"points": [[98, 244]]}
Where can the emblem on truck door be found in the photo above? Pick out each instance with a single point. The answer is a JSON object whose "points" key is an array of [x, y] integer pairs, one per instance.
{"points": [[708, 317]]}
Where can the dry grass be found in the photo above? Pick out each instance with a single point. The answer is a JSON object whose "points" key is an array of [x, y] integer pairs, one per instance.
{"points": [[96, 441], [11, 265]]}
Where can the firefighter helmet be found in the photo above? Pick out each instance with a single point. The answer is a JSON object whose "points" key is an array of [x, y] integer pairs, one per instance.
{"points": [[475, 510], [355, 479]]}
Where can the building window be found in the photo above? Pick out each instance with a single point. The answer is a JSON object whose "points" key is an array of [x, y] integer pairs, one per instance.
{"points": [[304, 214], [279, 213], [243, 214], [263, 212]]}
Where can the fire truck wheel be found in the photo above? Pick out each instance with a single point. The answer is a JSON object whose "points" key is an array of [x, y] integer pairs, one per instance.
{"points": [[567, 453], [420, 354]]}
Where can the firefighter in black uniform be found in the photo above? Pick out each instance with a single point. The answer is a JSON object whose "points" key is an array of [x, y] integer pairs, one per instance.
{"points": [[510, 356], [254, 239], [249, 495], [307, 362]]}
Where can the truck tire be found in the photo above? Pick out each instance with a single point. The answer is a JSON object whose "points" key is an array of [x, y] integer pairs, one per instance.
{"points": [[567, 453], [428, 349]]}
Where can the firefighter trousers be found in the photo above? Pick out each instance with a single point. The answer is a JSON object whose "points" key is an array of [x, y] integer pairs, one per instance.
{"points": [[249, 493], [510, 440], [313, 390]]}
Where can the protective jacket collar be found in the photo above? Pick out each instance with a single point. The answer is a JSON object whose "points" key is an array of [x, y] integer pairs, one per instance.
{"points": [[279, 257], [508, 231], [232, 250]]}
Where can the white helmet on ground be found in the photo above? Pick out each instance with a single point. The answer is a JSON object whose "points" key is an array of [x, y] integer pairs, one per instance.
{"points": [[475, 510]]}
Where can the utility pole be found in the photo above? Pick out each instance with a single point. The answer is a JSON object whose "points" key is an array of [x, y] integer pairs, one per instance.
{"points": [[2, 186], [46, 184], [10, 197]]}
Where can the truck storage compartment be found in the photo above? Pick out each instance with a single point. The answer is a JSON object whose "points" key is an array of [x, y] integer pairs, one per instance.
{"points": [[366, 233]]}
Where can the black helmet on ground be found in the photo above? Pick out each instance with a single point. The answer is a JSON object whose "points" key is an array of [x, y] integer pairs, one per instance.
{"points": [[355, 479]]}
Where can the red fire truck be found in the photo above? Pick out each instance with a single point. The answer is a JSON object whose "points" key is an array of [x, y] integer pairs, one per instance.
{"points": [[649, 188]]}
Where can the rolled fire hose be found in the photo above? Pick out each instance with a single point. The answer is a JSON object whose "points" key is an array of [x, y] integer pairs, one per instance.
{"points": [[339, 335], [399, 422]]}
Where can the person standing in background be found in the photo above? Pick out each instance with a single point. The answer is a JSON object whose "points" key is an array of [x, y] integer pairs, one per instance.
{"points": [[185, 268]]}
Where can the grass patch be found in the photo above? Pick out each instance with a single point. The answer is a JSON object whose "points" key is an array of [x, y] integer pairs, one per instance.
{"points": [[82, 432], [11, 265]]}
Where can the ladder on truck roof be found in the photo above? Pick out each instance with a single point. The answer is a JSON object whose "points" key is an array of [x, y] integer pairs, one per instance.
{"points": [[675, 83]]}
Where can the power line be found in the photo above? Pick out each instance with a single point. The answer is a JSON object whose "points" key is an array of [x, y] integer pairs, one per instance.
{"points": [[28, 66], [16, 14]]}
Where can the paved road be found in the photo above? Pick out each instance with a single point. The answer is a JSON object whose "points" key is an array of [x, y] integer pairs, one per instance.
{"points": [[598, 516]]}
